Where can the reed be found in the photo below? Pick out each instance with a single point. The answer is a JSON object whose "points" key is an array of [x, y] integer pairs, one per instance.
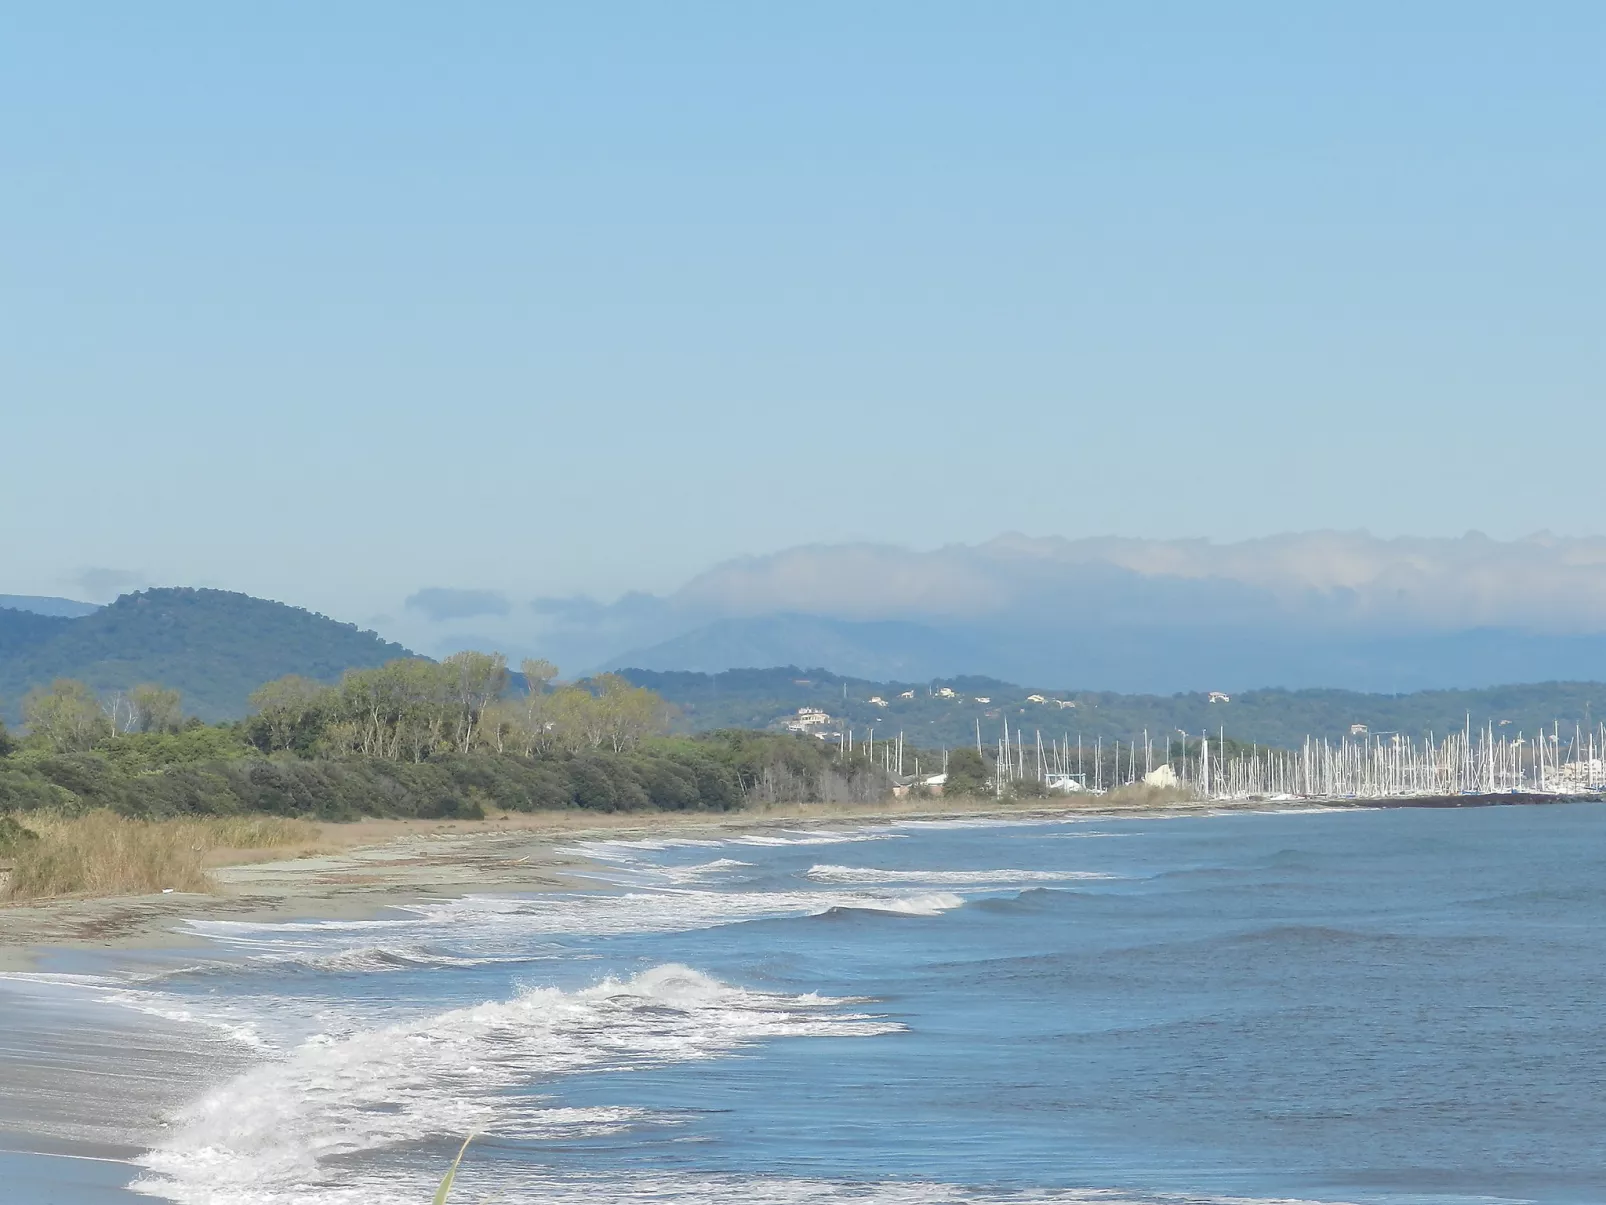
{"points": [[101, 853], [249, 832], [1142, 794], [445, 1190]]}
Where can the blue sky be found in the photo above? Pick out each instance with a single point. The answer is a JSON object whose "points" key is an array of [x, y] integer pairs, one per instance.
{"points": [[330, 302]]}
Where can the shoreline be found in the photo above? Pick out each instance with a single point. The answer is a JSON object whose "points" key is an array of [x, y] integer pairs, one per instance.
{"points": [[360, 868]]}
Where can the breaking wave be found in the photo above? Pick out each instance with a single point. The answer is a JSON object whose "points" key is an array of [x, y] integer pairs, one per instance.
{"points": [[503, 929], [932, 903], [630, 851], [278, 1132], [957, 878]]}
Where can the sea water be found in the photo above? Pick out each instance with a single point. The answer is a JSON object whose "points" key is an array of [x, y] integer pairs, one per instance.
{"points": [[1382, 1006]]}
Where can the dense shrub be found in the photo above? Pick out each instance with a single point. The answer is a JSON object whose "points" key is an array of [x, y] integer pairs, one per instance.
{"points": [[346, 788], [967, 773], [24, 788], [214, 771]]}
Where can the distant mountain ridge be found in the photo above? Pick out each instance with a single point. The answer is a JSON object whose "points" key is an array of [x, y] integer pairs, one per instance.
{"points": [[215, 646], [767, 698], [1141, 659], [40, 604], [873, 649]]}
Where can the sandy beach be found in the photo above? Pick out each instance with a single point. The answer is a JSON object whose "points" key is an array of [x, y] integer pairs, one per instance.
{"points": [[356, 869]]}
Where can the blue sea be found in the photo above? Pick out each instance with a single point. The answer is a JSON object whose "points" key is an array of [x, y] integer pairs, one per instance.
{"points": [[1391, 1007]]}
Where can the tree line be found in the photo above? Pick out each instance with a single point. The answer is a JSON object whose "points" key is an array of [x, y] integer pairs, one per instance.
{"points": [[412, 710], [408, 738], [405, 710], [68, 716]]}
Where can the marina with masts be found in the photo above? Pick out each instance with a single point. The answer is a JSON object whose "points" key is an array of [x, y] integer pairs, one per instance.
{"points": [[1474, 761]]}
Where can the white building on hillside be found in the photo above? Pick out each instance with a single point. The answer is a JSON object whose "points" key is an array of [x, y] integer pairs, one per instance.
{"points": [[807, 719]]}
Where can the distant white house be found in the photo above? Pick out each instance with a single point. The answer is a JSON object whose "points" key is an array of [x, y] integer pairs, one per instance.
{"points": [[1037, 698], [878, 700], [908, 694], [983, 699], [1217, 697], [1064, 703], [946, 692], [807, 718], [1357, 729]]}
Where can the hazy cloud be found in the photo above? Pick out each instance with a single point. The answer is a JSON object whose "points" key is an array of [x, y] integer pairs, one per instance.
{"points": [[440, 603], [1296, 607], [1541, 582], [103, 585], [583, 610]]}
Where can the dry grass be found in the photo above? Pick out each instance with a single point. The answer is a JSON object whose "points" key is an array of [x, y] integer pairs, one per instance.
{"points": [[1142, 795], [249, 832], [102, 853]]}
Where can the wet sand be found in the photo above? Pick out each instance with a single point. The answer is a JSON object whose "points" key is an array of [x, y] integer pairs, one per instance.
{"points": [[44, 1179]]}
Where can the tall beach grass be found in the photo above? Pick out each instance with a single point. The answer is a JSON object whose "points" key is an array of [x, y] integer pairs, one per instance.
{"points": [[101, 853]]}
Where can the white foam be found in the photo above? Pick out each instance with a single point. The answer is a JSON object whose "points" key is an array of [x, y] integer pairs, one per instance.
{"points": [[704, 870], [814, 837], [933, 903], [229, 1020], [869, 874], [52, 979], [542, 1186], [310, 956], [631, 851], [626, 868], [378, 958], [498, 927], [232, 930], [968, 822], [269, 1135]]}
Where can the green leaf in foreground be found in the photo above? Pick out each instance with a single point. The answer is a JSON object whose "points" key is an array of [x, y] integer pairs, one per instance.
{"points": [[445, 1189]]}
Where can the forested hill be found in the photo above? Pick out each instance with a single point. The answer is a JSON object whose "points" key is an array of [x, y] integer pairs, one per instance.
{"points": [[214, 646], [759, 698]]}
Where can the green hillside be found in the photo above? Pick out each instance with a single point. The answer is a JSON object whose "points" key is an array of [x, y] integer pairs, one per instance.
{"points": [[754, 698], [22, 631], [213, 645]]}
